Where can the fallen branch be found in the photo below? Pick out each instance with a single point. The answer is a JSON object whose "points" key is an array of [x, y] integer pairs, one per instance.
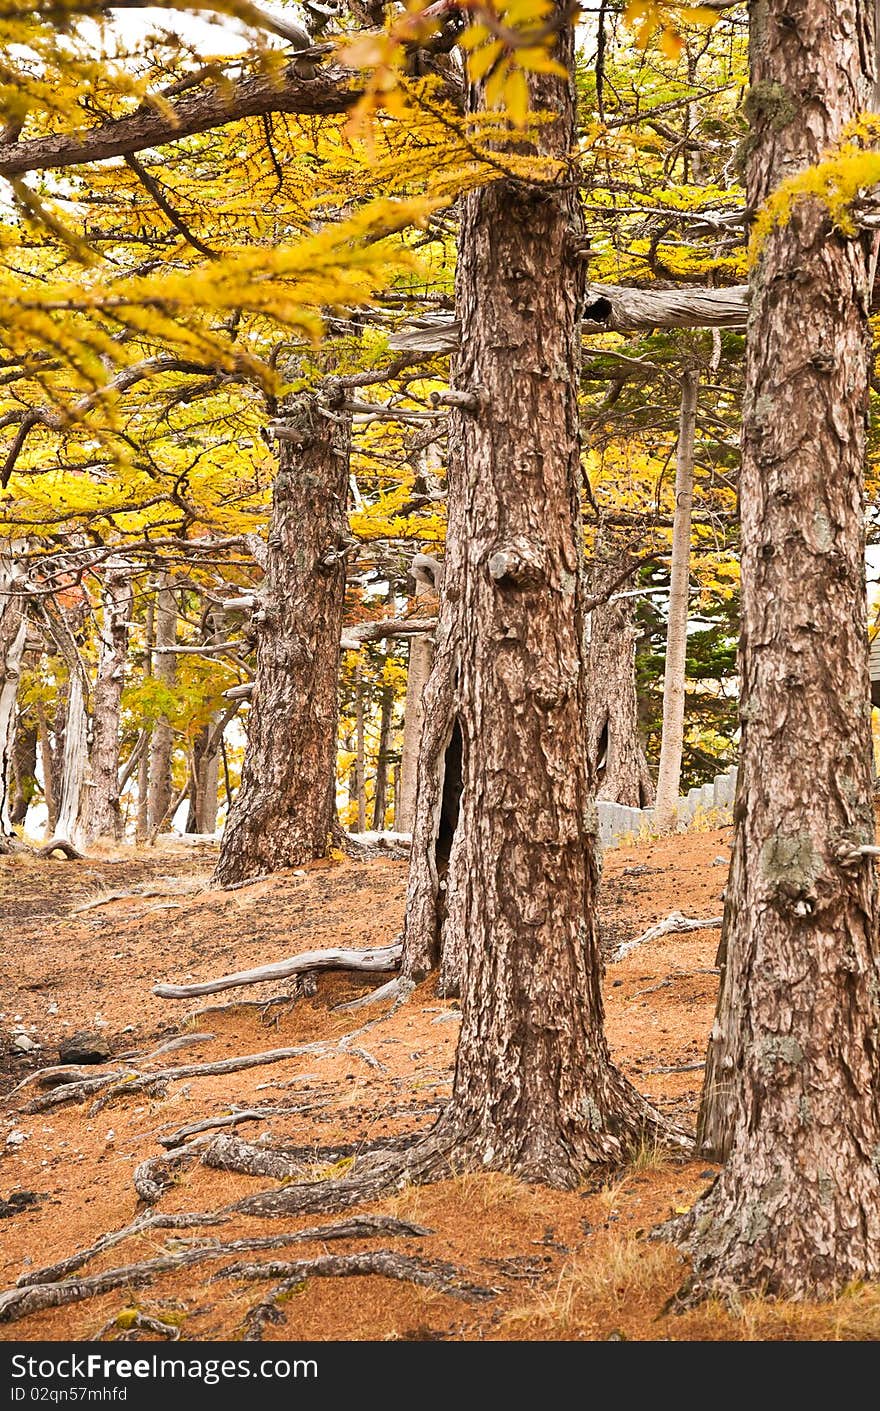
{"points": [[432, 1274], [675, 922], [377, 958], [34, 1297]]}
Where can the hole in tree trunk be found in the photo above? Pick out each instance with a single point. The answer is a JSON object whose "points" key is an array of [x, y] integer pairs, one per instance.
{"points": [[452, 786], [602, 753]]}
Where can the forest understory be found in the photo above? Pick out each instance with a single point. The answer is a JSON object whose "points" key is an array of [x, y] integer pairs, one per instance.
{"points": [[475, 1256]]}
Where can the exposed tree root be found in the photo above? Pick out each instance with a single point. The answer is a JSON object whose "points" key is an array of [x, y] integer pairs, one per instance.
{"points": [[153, 1176], [136, 1082], [675, 923], [150, 1220], [432, 1274], [398, 990], [130, 1321], [377, 958], [232, 1119], [60, 845], [34, 1297], [229, 1153]]}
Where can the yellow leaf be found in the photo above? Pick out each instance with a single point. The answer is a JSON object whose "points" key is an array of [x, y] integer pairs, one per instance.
{"points": [[519, 13], [482, 60], [671, 43], [516, 97], [495, 84], [699, 14], [537, 59], [474, 36]]}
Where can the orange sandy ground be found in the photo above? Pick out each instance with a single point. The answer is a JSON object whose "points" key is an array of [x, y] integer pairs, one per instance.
{"points": [[572, 1265]]}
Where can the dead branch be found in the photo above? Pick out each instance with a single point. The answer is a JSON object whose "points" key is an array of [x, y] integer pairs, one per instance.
{"points": [[60, 845], [377, 958], [675, 922]]}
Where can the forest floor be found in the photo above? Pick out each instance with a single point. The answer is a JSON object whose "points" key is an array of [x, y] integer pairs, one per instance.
{"points": [[572, 1265]]}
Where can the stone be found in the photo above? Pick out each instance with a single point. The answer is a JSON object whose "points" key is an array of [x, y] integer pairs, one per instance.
{"points": [[84, 1048]]}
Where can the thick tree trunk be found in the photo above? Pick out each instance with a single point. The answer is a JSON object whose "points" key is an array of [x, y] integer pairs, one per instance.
{"points": [[535, 1091], [284, 809], [50, 772], [104, 817], [381, 794], [614, 748], [202, 816], [421, 657], [162, 740], [792, 1082], [672, 740], [13, 630]]}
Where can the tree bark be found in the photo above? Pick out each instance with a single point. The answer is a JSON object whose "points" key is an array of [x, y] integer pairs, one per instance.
{"points": [[283, 813], [421, 656], [162, 740], [70, 825], [381, 794], [104, 818], [13, 630], [142, 826], [672, 740], [617, 760], [24, 770], [535, 1092], [360, 763], [791, 1093]]}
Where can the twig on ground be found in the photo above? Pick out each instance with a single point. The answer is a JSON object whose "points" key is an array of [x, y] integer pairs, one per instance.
{"points": [[376, 958], [675, 922]]}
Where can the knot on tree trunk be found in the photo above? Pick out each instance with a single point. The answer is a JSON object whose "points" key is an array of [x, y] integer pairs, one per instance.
{"points": [[518, 564]]}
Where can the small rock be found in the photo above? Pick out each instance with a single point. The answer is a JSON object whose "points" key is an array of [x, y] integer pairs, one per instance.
{"points": [[15, 1138], [23, 1043], [84, 1048], [720, 861], [18, 1200]]}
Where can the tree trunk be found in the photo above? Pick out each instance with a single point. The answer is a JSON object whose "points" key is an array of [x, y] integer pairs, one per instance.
{"points": [[360, 763], [535, 1092], [617, 760], [24, 771], [381, 795], [142, 826], [672, 739], [50, 772], [73, 803], [13, 630], [421, 657], [104, 818], [791, 1093], [162, 741], [284, 809]]}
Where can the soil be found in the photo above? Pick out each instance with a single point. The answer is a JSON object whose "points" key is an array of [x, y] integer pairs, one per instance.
{"points": [[560, 1265]]}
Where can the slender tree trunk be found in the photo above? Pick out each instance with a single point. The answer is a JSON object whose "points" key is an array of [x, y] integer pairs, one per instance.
{"points": [[360, 762], [142, 826], [672, 740], [50, 773], [13, 630], [381, 796], [535, 1091], [104, 817], [162, 742], [24, 770], [283, 813], [73, 804], [421, 657], [617, 759], [791, 1093]]}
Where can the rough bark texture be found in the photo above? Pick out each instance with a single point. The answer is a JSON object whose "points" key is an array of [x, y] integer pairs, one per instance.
{"points": [[104, 817], [162, 739], [792, 1083], [672, 741], [24, 770], [283, 813], [617, 760], [142, 826], [534, 1091]]}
